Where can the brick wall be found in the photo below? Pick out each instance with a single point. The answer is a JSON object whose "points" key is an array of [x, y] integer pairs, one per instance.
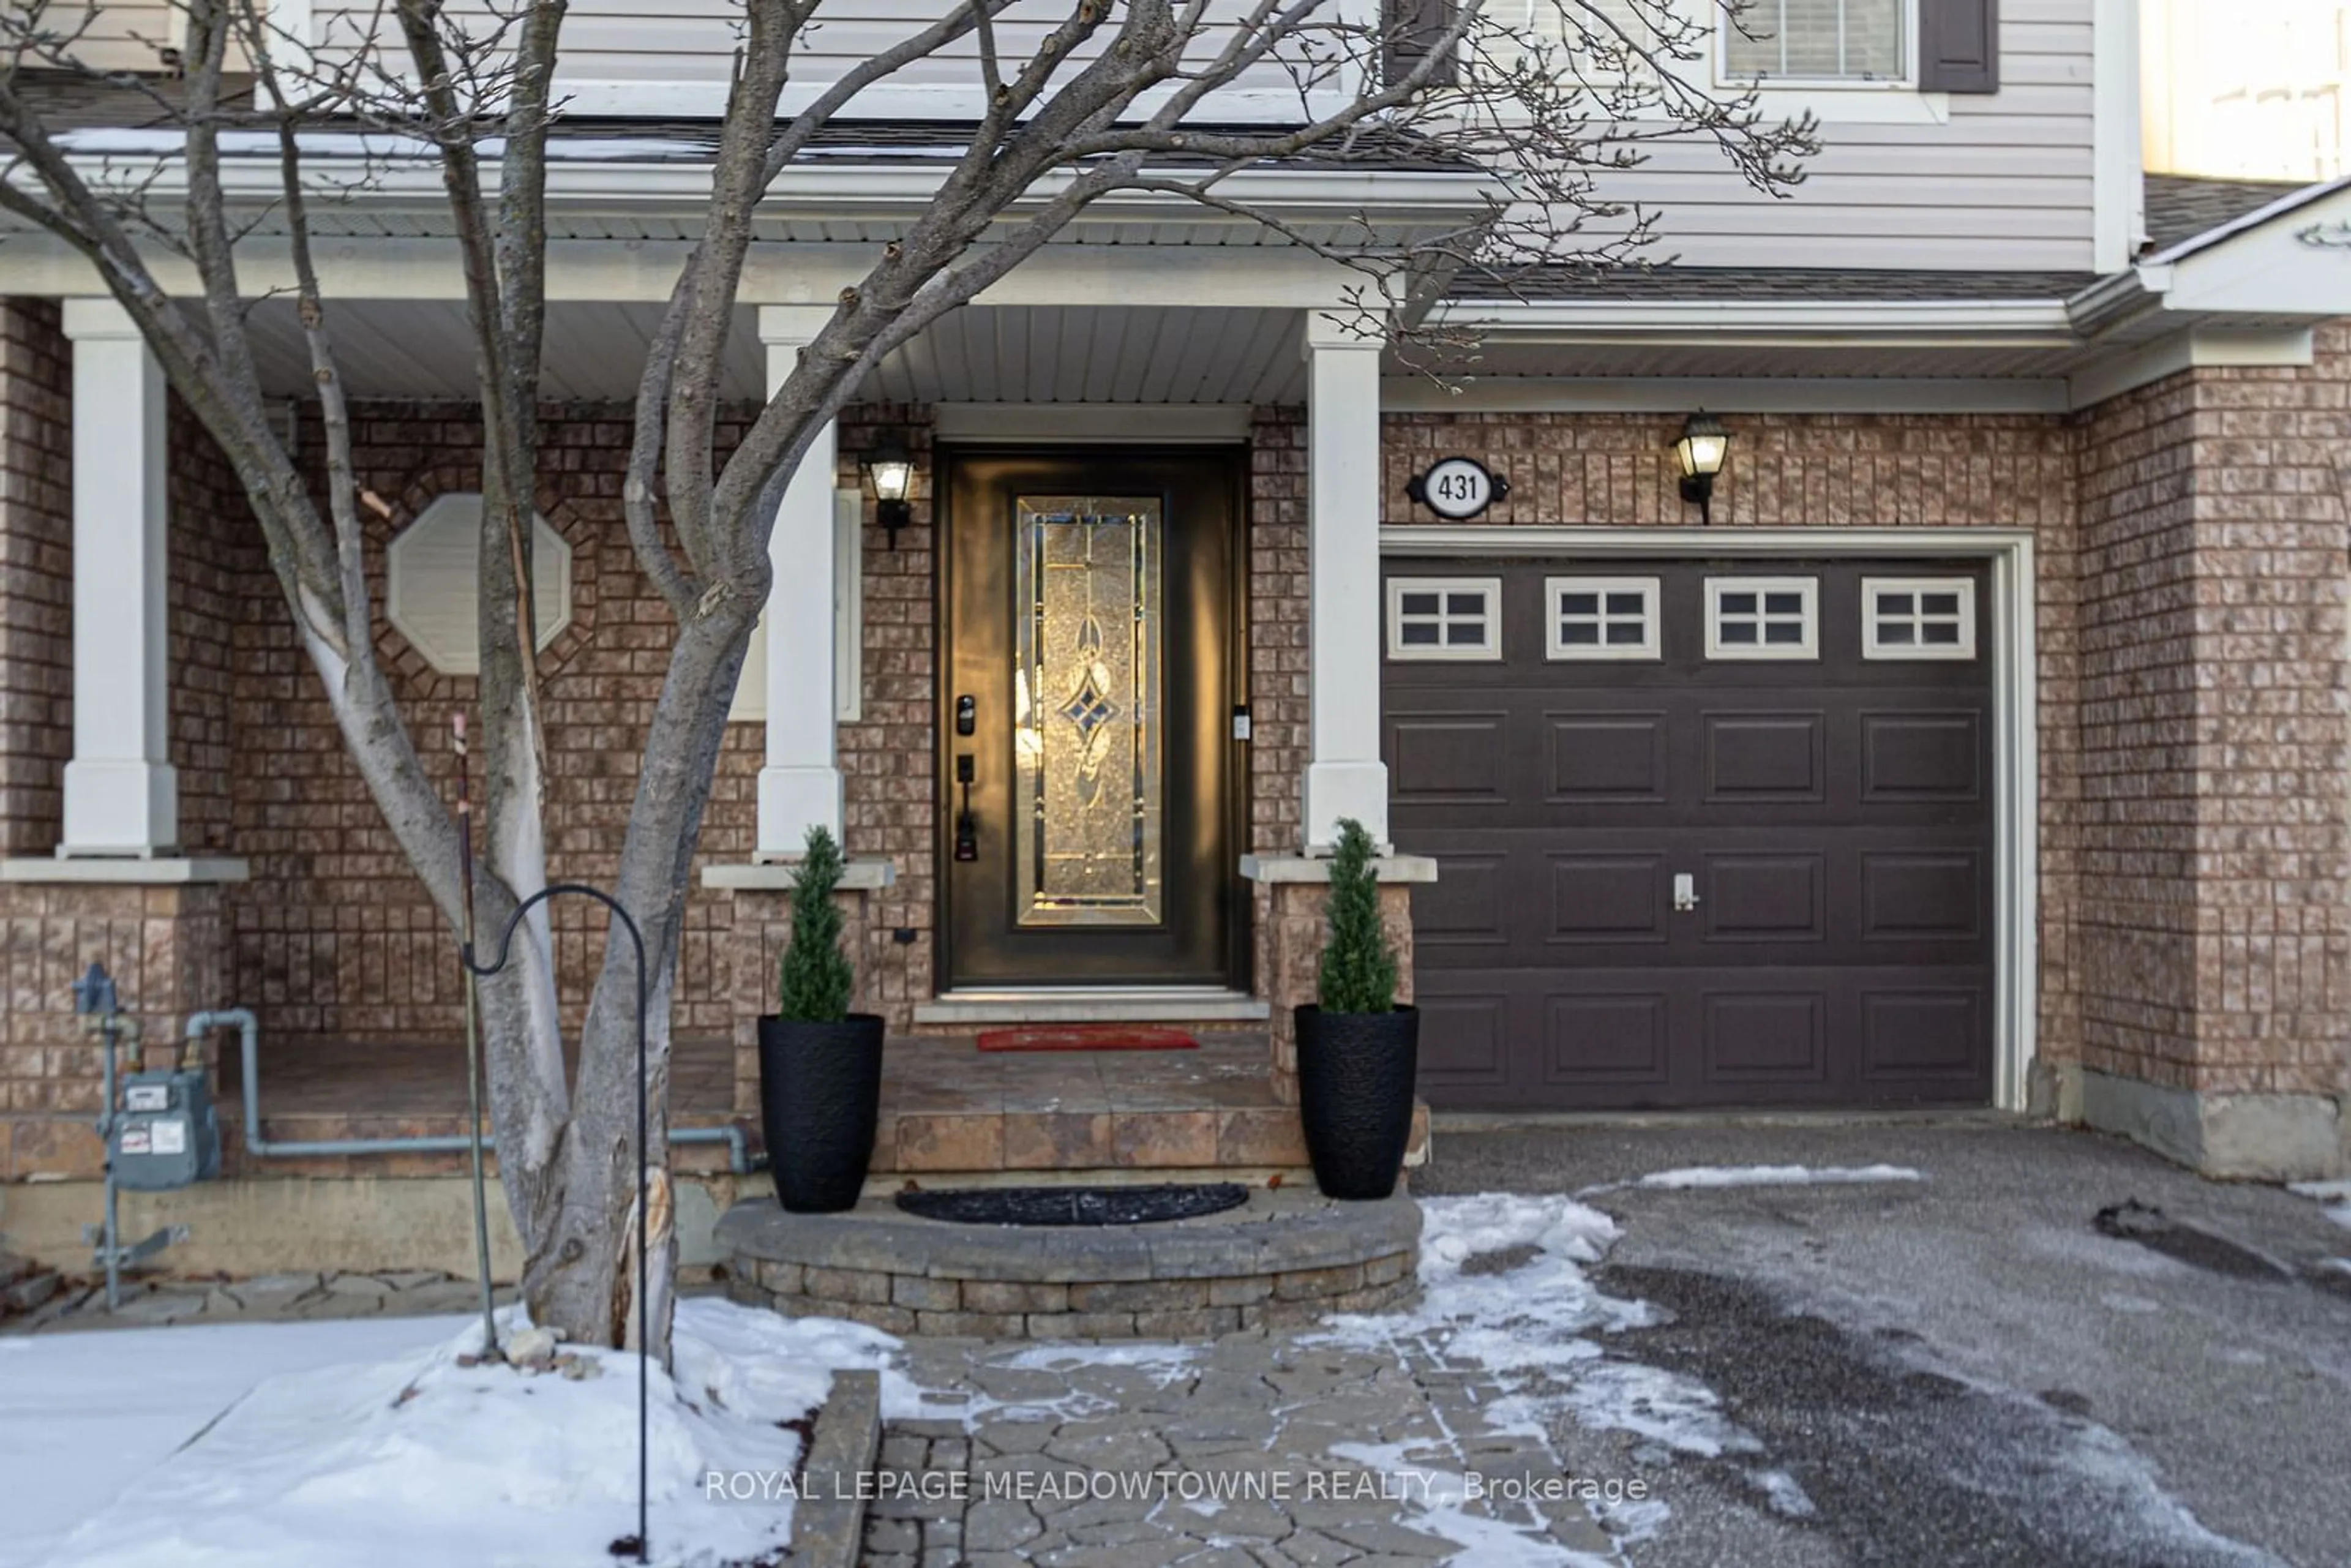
{"points": [[218, 560], [35, 574], [335, 938], [2273, 742], [2193, 849], [889, 759], [2214, 952]]}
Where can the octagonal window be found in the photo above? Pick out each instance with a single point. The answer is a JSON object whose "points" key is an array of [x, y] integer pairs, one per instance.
{"points": [[432, 569]]}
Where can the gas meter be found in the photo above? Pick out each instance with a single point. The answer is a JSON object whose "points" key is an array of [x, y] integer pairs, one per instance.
{"points": [[166, 1134]]}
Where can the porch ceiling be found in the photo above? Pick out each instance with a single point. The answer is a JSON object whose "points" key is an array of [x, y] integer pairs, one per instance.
{"points": [[423, 349]]}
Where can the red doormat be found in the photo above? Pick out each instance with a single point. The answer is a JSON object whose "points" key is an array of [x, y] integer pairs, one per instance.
{"points": [[1088, 1037]]}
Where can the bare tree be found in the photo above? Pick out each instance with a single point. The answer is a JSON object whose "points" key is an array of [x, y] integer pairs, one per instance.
{"points": [[1118, 96]]}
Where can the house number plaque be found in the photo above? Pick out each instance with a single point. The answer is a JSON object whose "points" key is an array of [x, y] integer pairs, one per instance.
{"points": [[1457, 487]]}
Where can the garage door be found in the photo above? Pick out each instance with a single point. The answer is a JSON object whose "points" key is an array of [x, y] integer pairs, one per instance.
{"points": [[1709, 832]]}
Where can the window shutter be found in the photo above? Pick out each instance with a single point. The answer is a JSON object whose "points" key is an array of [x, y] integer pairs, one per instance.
{"points": [[1958, 46], [1413, 27]]}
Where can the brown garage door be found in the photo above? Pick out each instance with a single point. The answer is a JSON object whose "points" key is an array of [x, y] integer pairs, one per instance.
{"points": [[1710, 833]]}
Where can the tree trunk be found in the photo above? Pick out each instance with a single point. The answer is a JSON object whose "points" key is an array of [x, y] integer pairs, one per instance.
{"points": [[572, 1206]]}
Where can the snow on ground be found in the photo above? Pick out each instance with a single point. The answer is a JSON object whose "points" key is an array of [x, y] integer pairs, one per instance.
{"points": [[1502, 1285], [1775, 1175], [1441, 1503], [83, 1417], [2334, 1195], [412, 1457]]}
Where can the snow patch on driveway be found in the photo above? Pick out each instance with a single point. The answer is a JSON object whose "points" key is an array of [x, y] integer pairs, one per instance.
{"points": [[1442, 1500], [1503, 1289], [2334, 1195], [1775, 1175]]}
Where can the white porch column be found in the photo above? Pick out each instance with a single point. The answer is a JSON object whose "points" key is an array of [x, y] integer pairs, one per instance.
{"points": [[122, 797], [1344, 775], [799, 787]]}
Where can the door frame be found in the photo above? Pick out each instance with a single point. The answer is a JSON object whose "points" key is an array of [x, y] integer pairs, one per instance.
{"points": [[2015, 706], [1088, 445]]}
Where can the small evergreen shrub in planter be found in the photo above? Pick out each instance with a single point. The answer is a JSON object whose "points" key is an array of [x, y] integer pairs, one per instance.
{"points": [[820, 1064], [1357, 1051]]}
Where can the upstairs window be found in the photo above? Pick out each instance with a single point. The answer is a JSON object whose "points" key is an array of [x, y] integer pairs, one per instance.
{"points": [[1818, 41]]}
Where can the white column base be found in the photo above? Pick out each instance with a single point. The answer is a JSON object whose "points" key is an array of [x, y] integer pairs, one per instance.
{"points": [[1336, 789], [120, 808], [791, 801]]}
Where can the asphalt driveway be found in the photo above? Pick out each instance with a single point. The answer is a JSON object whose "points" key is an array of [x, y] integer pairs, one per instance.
{"points": [[1970, 1369]]}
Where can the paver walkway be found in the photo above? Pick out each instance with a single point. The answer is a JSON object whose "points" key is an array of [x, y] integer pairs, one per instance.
{"points": [[1275, 1449], [266, 1297]]}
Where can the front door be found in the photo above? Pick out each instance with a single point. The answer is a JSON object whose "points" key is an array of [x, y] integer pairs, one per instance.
{"points": [[1088, 764]]}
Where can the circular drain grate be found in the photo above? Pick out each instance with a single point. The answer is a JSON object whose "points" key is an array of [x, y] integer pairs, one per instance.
{"points": [[1074, 1204]]}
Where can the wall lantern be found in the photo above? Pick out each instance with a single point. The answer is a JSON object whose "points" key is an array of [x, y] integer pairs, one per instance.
{"points": [[1704, 446], [890, 473]]}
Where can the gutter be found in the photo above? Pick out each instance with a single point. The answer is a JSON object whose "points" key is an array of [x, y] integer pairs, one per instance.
{"points": [[823, 187], [1728, 320]]}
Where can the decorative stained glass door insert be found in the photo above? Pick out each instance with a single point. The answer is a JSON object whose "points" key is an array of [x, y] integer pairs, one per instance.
{"points": [[1087, 770], [1089, 805]]}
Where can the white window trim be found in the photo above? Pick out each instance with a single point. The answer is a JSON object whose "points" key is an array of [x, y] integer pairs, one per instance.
{"points": [[1964, 649], [1783, 653], [1652, 644], [1724, 76], [1487, 651], [751, 703]]}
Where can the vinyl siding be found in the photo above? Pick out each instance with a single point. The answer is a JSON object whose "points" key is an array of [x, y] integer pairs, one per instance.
{"points": [[2006, 184], [120, 35], [643, 55]]}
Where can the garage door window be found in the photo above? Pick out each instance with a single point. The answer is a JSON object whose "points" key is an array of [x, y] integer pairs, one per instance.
{"points": [[1762, 618], [1445, 618], [1601, 617], [1918, 618]]}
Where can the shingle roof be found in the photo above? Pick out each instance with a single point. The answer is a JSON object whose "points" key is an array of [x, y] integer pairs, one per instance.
{"points": [[2181, 206], [1671, 282]]}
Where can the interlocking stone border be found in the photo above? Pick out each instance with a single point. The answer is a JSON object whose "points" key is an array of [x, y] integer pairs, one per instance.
{"points": [[829, 1519], [1283, 1259]]}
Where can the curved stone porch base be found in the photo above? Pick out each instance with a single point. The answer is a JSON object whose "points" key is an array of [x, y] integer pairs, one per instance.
{"points": [[1286, 1257]]}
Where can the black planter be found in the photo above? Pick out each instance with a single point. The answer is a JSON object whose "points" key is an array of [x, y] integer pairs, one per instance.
{"points": [[820, 1094], [1355, 1093]]}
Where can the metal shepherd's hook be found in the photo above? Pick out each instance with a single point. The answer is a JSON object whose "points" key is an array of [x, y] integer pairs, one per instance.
{"points": [[473, 1043], [474, 969]]}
